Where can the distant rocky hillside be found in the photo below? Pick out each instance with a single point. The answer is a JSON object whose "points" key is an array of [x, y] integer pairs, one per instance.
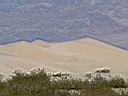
{"points": [[62, 20]]}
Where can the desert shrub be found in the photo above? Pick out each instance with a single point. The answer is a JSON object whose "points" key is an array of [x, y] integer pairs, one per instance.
{"points": [[103, 70], [117, 83], [98, 92], [72, 84], [65, 93], [23, 84], [99, 81]]}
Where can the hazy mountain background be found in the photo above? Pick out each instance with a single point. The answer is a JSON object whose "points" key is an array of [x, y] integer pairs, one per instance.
{"points": [[62, 20]]}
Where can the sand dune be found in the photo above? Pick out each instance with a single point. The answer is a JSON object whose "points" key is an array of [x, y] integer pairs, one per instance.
{"points": [[73, 56]]}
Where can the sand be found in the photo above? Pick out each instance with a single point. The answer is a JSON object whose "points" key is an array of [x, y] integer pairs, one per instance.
{"points": [[76, 56]]}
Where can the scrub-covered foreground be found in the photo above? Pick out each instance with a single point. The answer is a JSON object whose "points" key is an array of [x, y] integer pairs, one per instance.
{"points": [[39, 83]]}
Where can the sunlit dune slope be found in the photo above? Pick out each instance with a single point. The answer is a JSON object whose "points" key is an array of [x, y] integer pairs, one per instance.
{"points": [[74, 56]]}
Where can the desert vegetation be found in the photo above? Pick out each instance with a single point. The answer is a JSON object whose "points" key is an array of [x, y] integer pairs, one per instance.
{"points": [[39, 83]]}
